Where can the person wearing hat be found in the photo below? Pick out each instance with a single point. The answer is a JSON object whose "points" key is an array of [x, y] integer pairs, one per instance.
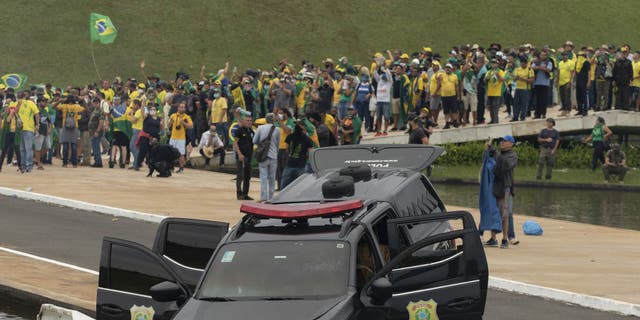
{"points": [[494, 79], [566, 72], [615, 164], [622, 77], [450, 93], [549, 139], [506, 162]]}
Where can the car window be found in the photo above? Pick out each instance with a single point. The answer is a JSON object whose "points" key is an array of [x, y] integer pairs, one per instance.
{"points": [[278, 269], [135, 271], [190, 245], [416, 199], [367, 263]]}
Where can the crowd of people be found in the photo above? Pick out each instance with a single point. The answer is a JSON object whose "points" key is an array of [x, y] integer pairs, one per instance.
{"points": [[129, 121]]}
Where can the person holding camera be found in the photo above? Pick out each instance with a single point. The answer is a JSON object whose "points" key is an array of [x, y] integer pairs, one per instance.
{"points": [[179, 122], [615, 164]]}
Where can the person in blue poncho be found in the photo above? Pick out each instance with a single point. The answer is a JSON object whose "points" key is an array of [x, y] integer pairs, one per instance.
{"points": [[496, 192]]}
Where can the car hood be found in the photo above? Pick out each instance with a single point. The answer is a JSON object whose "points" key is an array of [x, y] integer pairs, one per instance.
{"points": [[266, 310]]}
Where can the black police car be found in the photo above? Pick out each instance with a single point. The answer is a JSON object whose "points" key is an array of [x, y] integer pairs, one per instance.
{"points": [[364, 237]]}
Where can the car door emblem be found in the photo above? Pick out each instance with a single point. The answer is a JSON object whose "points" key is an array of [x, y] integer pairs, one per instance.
{"points": [[422, 310], [142, 313]]}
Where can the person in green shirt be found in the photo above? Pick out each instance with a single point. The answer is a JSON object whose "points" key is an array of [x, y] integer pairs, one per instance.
{"points": [[599, 135], [351, 127]]}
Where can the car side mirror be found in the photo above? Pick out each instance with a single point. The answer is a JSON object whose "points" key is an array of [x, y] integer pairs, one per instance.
{"points": [[166, 292], [381, 291]]}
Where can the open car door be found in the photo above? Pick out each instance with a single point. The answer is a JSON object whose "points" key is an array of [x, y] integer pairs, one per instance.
{"points": [[409, 156], [443, 275], [186, 245], [128, 271]]}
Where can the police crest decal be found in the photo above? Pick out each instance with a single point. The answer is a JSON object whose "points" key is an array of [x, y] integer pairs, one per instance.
{"points": [[423, 310], [142, 313]]}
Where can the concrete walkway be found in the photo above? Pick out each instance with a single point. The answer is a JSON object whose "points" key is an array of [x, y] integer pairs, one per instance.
{"points": [[581, 258]]}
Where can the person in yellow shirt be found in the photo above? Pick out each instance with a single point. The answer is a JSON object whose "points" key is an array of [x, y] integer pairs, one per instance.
{"points": [[179, 122], [107, 91], [450, 92], [70, 133], [218, 115], [566, 72], [28, 117], [494, 79], [635, 83], [134, 114], [435, 85], [523, 76]]}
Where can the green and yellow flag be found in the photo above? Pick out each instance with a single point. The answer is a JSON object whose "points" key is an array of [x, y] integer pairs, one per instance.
{"points": [[101, 28], [14, 80]]}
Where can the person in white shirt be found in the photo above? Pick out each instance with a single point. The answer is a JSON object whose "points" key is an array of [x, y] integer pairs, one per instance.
{"points": [[383, 95], [210, 145]]}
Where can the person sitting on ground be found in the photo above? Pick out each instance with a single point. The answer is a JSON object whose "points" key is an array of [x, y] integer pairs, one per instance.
{"points": [[210, 145], [615, 164], [162, 158]]}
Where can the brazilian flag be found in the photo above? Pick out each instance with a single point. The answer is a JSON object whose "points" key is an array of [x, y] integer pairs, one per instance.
{"points": [[101, 28], [14, 80]]}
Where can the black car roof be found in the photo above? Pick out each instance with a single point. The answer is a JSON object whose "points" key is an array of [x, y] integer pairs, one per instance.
{"points": [[381, 187]]}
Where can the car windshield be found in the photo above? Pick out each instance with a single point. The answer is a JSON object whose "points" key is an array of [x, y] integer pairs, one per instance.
{"points": [[278, 270]]}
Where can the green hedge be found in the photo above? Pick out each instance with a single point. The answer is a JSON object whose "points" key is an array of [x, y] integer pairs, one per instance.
{"points": [[570, 155]]}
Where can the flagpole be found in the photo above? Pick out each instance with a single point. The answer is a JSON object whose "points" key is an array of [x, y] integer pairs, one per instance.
{"points": [[93, 57]]}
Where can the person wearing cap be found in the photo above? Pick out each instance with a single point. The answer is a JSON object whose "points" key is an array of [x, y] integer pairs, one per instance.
{"points": [[615, 164], [503, 183], [494, 80], [523, 76], [549, 139], [450, 93], [542, 68], [469, 74], [583, 82], [269, 165], [399, 97], [622, 77], [435, 90], [566, 72]]}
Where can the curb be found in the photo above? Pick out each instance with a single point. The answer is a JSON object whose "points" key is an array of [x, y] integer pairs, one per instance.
{"points": [[81, 205], [592, 302], [34, 301], [582, 300]]}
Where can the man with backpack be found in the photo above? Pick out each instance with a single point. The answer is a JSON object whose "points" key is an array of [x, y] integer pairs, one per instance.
{"points": [[267, 141]]}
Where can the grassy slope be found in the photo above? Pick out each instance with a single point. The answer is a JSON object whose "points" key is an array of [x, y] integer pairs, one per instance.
{"points": [[48, 39]]}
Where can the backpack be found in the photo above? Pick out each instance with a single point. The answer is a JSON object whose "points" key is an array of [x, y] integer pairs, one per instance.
{"points": [[262, 151], [70, 121]]}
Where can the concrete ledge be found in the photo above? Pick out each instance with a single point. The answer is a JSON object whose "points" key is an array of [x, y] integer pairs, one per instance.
{"points": [[556, 185], [598, 303], [81, 205]]}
